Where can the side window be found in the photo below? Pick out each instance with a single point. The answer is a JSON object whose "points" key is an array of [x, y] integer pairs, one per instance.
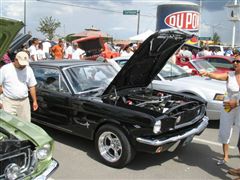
{"points": [[220, 63], [49, 79]]}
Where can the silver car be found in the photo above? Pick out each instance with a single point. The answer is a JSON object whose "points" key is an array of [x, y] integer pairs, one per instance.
{"points": [[174, 78]]}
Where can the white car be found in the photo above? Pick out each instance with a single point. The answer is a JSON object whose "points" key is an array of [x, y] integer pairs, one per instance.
{"points": [[174, 78]]}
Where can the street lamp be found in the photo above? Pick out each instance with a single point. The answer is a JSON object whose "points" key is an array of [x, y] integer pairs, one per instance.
{"points": [[234, 8]]}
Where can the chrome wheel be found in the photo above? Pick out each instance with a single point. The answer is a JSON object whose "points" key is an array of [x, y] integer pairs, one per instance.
{"points": [[110, 146]]}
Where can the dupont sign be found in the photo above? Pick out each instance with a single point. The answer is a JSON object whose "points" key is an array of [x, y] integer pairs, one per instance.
{"points": [[182, 15], [188, 20]]}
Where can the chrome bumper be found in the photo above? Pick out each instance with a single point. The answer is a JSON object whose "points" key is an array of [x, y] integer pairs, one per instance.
{"points": [[192, 132], [51, 168]]}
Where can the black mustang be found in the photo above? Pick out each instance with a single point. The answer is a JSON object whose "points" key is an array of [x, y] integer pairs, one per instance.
{"points": [[122, 115]]}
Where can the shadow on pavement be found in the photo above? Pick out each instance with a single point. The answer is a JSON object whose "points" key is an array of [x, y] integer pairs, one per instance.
{"points": [[214, 124], [194, 155]]}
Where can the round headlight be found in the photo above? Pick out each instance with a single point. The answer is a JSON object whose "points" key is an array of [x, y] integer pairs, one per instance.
{"points": [[43, 152], [12, 171], [157, 127]]}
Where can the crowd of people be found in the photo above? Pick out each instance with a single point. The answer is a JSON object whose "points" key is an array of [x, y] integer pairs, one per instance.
{"points": [[185, 52]]}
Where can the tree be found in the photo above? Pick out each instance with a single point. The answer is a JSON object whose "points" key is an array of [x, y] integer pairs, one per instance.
{"points": [[216, 38], [48, 26]]}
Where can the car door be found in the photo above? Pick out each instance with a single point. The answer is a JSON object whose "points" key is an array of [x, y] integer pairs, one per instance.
{"points": [[53, 98]]}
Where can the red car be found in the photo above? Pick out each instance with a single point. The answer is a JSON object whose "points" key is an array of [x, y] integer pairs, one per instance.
{"points": [[196, 65], [95, 47], [222, 63]]}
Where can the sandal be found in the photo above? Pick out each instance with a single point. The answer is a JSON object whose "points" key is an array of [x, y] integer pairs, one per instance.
{"points": [[221, 162]]}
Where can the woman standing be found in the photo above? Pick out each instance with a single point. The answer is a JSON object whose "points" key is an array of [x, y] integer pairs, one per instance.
{"points": [[229, 114]]}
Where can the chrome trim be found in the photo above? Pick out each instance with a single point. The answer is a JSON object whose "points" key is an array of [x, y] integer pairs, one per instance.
{"points": [[51, 168], [193, 131], [192, 121]]}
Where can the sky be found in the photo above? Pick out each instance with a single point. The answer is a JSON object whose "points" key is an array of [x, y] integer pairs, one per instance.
{"points": [[106, 15]]}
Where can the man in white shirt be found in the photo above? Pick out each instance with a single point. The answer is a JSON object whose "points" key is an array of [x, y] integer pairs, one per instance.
{"points": [[46, 46], [15, 80], [68, 51], [77, 52], [33, 49]]}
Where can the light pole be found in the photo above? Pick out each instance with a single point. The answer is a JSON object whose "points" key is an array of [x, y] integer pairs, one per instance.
{"points": [[25, 16], [234, 17], [138, 24]]}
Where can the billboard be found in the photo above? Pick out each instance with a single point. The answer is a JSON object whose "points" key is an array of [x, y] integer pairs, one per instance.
{"points": [[183, 15], [180, 14]]}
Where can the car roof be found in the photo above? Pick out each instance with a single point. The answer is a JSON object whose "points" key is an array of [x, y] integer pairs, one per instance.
{"points": [[65, 63]]}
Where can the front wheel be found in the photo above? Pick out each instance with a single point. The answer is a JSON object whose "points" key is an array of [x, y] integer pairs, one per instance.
{"points": [[113, 147]]}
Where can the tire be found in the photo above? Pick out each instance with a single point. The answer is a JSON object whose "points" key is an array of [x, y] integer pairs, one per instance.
{"points": [[113, 147]]}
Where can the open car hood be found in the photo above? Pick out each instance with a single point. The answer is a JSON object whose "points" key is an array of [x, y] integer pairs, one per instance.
{"points": [[148, 60], [9, 29], [90, 43]]}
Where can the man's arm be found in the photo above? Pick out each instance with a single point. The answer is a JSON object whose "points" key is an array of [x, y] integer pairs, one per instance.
{"points": [[34, 97]]}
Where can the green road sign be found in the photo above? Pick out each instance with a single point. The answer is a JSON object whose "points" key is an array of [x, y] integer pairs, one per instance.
{"points": [[204, 38], [130, 12]]}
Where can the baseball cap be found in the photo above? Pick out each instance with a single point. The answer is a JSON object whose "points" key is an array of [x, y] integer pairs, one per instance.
{"points": [[22, 58]]}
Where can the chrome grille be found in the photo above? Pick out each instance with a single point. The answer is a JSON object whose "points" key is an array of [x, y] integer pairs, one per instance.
{"points": [[24, 159], [188, 116]]}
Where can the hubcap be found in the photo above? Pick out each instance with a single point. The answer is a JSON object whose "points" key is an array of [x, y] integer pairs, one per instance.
{"points": [[110, 146]]}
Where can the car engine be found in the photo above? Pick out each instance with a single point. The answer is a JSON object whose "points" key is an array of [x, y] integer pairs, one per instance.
{"points": [[15, 154]]}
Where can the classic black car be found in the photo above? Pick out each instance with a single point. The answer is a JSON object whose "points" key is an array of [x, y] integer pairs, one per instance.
{"points": [[121, 115]]}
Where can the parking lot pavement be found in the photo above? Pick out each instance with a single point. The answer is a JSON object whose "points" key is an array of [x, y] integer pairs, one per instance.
{"points": [[78, 160]]}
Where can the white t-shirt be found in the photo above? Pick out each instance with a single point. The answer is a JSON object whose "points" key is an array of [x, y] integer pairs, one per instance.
{"points": [[15, 82], [40, 54], [76, 53], [33, 52], [46, 46], [68, 51]]}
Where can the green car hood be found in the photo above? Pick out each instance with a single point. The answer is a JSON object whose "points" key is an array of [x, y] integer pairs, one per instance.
{"points": [[8, 30], [23, 130]]}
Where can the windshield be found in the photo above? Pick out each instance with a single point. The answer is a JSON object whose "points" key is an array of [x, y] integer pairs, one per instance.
{"points": [[203, 65], [171, 71], [90, 77]]}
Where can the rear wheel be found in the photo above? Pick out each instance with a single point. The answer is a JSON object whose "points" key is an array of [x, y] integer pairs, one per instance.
{"points": [[113, 147]]}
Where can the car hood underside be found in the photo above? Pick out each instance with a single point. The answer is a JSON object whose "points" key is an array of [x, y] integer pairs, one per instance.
{"points": [[148, 60]]}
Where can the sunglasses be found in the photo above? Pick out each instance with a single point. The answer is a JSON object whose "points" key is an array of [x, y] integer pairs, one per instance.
{"points": [[236, 61]]}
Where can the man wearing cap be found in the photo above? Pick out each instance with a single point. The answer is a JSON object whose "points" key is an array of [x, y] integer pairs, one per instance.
{"points": [[77, 52], [15, 80]]}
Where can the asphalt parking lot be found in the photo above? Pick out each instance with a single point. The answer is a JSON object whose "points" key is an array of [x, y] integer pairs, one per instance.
{"points": [[78, 160]]}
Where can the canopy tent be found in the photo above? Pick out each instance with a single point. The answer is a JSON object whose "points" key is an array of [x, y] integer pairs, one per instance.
{"points": [[142, 36]]}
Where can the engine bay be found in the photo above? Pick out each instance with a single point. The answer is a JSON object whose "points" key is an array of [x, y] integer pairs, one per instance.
{"points": [[156, 101]]}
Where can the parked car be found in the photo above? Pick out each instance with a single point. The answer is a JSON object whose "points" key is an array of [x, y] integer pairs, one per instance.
{"points": [[25, 149], [95, 47], [175, 78], [194, 66], [122, 115], [221, 63]]}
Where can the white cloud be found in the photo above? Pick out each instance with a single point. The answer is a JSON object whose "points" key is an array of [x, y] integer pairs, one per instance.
{"points": [[118, 28], [13, 10]]}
